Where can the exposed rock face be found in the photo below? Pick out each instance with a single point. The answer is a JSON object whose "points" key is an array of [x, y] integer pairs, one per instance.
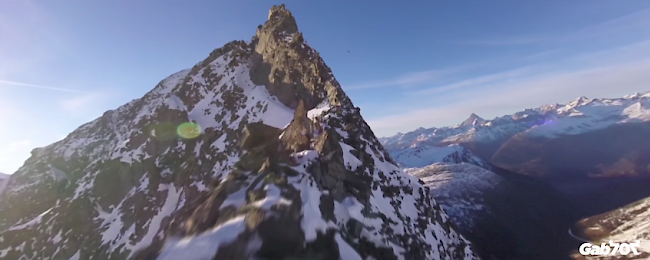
{"points": [[291, 70], [294, 172], [299, 133], [473, 120]]}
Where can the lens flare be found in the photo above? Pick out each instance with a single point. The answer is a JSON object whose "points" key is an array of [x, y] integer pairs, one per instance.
{"points": [[189, 130]]}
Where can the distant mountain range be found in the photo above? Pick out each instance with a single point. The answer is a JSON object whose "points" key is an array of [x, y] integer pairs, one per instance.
{"points": [[594, 153], [550, 141], [550, 121], [421, 155]]}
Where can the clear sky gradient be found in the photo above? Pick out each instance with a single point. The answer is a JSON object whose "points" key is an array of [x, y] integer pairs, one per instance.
{"points": [[409, 65]]}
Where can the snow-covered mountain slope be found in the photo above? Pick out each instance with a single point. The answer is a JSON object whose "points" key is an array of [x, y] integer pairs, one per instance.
{"points": [[4, 179], [492, 207], [550, 121], [585, 115], [618, 151], [421, 155], [626, 224], [253, 153], [584, 138], [505, 215], [461, 186]]}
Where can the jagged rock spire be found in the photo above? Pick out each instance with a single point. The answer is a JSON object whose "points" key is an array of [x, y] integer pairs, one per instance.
{"points": [[289, 68], [298, 134], [281, 20]]}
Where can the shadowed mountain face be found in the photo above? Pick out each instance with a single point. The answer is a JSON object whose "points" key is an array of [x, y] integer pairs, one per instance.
{"points": [[506, 215], [617, 151], [253, 153], [590, 156], [600, 170]]}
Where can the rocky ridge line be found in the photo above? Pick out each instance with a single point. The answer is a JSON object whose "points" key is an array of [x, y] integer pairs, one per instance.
{"points": [[135, 177]]}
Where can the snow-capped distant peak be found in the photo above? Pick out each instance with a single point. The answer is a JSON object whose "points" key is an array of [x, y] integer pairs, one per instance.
{"points": [[580, 101], [633, 95], [473, 120], [421, 155], [578, 116]]}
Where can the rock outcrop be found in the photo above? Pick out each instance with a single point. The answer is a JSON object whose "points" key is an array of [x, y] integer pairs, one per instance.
{"points": [[254, 153]]}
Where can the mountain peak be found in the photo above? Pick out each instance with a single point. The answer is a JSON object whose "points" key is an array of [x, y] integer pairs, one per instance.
{"points": [[633, 95], [256, 152], [279, 10], [472, 120], [281, 20], [580, 101], [289, 68]]}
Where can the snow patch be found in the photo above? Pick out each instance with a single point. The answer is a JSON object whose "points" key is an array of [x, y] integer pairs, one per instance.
{"points": [[172, 203], [319, 110], [351, 161], [346, 251], [206, 245], [35, 221]]}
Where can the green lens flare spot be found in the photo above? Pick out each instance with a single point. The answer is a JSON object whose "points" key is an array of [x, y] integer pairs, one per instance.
{"points": [[189, 130]]}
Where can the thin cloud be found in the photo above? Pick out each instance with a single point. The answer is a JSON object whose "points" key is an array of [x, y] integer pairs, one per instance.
{"points": [[621, 55], [505, 41], [413, 78], [637, 19], [612, 81], [28, 85], [482, 80], [609, 73], [540, 55], [638, 22], [404, 80]]}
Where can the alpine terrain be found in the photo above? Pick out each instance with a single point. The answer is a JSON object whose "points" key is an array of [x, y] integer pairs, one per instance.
{"points": [[505, 215], [529, 141], [592, 155], [253, 153], [587, 148]]}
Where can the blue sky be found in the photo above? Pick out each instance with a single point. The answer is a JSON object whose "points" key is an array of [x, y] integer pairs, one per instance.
{"points": [[63, 63]]}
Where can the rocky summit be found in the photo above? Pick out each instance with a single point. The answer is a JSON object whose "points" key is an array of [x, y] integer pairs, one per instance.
{"points": [[253, 153]]}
